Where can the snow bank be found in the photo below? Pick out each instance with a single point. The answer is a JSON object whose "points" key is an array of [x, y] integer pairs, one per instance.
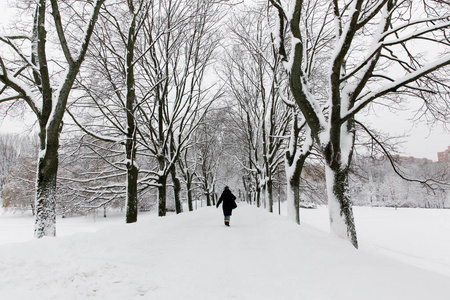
{"points": [[415, 236], [194, 256]]}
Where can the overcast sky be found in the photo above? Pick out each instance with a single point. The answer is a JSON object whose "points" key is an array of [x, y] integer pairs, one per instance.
{"points": [[421, 143]]}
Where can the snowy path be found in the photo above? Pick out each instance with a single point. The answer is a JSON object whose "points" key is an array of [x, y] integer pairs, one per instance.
{"points": [[194, 256]]}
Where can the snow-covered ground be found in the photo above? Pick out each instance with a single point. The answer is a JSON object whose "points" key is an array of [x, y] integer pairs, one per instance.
{"points": [[261, 256], [420, 237]]}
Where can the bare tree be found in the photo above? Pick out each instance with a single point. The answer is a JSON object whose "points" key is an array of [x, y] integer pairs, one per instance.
{"points": [[90, 176], [29, 78], [183, 39], [252, 73], [120, 57], [211, 146], [372, 59], [17, 172], [188, 164], [10, 150]]}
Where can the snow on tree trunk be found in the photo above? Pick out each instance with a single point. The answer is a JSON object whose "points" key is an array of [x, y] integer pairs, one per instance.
{"points": [[342, 222], [132, 170], [293, 199], [294, 167], [338, 155], [294, 160], [45, 195]]}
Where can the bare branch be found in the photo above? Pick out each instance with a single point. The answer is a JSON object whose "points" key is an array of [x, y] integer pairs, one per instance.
{"points": [[426, 182]]}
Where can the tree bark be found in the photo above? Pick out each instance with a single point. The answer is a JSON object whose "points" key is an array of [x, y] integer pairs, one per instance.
{"points": [[269, 193], [176, 190], [130, 145], [342, 222], [295, 167], [214, 197], [246, 185], [162, 181], [189, 196], [45, 224], [208, 198], [132, 198], [293, 199]]}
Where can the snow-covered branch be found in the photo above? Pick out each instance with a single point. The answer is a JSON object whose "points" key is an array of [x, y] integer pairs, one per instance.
{"points": [[397, 84], [22, 89]]}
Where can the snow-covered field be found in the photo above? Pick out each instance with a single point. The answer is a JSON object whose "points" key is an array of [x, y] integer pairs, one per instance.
{"points": [[404, 254], [420, 237]]}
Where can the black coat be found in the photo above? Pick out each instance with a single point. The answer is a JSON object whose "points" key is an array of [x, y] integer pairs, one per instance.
{"points": [[227, 198]]}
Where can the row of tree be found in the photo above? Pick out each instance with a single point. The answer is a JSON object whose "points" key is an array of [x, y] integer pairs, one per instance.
{"points": [[373, 182], [142, 88], [186, 93]]}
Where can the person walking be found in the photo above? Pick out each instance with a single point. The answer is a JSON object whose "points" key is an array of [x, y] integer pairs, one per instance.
{"points": [[229, 203]]}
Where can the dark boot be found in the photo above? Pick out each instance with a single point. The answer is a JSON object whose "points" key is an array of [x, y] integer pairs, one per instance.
{"points": [[227, 223]]}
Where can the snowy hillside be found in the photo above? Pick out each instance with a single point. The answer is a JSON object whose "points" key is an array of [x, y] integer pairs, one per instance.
{"points": [[194, 256]]}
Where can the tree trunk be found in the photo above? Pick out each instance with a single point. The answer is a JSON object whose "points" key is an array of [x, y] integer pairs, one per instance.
{"points": [[342, 222], [247, 196], [132, 197], [258, 196], [208, 198], [269, 194], [162, 180], [45, 194], [132, 170], [188, 178], [293, 198], [294, 169], [263, 195], [257, 192], [176, 190], [213, 198], [189, 196], [294, 160], [338, 154]]}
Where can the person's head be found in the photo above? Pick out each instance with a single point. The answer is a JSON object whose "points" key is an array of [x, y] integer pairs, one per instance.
{"points": [[226, 188]]}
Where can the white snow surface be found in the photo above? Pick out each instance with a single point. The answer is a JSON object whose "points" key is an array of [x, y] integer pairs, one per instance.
{"points": [[261, 256]]}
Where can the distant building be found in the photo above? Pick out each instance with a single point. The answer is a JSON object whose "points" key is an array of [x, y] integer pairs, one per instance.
{"points": [[409, 159], [444, 156]]}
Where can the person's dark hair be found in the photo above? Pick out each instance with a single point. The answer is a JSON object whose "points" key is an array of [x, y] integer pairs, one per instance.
{"points": [[226, 188]]}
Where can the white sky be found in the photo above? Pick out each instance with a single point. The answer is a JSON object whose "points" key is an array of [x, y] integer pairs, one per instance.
{"points": [[421, 143], [5, 17], [420, 140]]}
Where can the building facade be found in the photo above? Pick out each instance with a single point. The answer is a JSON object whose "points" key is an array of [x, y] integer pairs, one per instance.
{"points": [[444, 156]]}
